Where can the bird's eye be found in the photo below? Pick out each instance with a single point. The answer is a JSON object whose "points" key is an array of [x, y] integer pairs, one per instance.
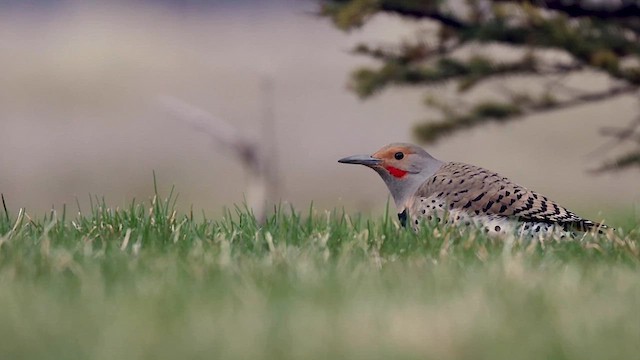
{"points": [[399, 155]]}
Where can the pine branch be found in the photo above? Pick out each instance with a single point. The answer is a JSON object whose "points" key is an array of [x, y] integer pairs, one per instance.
{"points": [[579, 8], [367, 82], [586, 98], [470, 72], [509, 111], [598, 35], [348, 14], [621, 135], [625, 161], [600, 46], [423, 9]]}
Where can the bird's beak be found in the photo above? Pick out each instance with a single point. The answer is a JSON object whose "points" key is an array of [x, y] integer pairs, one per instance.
{"points": [[366, 160]]}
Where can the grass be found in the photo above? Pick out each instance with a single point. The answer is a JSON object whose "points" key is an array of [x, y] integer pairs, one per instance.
{"points": [[146, 283]]}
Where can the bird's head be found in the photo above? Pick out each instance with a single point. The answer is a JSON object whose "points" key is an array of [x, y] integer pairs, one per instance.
{"points": [[403, 167]]}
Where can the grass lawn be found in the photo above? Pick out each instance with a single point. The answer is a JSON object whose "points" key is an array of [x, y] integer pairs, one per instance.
{"points": [[146, 283]]}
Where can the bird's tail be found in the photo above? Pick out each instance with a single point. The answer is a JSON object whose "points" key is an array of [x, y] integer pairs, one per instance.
{"points": [[589, 226]]}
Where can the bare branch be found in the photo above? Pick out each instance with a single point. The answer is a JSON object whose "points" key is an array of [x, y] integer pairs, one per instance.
{"points": [[224, 135], [221, 132]]}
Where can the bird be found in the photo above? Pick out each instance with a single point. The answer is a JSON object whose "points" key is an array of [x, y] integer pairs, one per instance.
{"points": [[426, 189]]}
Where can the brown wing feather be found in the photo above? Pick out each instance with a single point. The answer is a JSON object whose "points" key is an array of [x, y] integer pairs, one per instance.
{"points": [[483, 192]]}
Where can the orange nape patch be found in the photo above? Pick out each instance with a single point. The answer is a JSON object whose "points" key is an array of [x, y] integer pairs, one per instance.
{"points": [[396, 172]]}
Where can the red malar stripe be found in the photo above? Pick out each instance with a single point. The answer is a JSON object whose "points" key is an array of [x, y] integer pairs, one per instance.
{"points": [[396, 172]]}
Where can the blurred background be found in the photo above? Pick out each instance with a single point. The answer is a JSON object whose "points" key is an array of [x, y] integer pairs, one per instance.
{"points": [[79, 110]]}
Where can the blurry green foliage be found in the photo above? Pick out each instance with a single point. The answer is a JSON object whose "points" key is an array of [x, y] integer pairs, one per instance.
{"points": [[582, 35]]}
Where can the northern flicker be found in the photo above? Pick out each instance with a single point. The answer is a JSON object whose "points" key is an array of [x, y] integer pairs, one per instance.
{"points": [[427, 189]]}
